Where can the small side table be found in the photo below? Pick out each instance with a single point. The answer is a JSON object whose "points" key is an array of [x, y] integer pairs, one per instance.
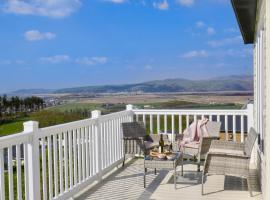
{"points": [[155, 163]]}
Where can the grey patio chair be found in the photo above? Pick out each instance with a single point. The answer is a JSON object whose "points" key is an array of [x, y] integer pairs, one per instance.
{"points": [[136, 140], [230, 158], [198, 151]]}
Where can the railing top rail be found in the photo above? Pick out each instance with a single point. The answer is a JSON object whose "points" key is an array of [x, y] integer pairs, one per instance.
{"points": [[191, 111], [114, 115], [22, 137], [18, 138]]}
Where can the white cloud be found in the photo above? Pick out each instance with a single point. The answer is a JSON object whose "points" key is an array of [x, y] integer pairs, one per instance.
{"points": [[200, 24], [225, 41], [116, 1], [92, 60], [187, 3], [35, 35], [48, 8], [195, 54], [161, 5], [210, 31], [56, 59]]}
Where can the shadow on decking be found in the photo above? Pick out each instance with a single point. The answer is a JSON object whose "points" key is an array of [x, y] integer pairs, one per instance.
{"points": [[127, 183]]}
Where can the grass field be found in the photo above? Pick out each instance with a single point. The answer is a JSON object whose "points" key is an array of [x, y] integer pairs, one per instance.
{"points": [[45, 118], [72, 112]]}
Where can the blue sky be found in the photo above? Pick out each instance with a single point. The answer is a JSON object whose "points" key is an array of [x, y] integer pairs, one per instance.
{"points": [[67, 43]]}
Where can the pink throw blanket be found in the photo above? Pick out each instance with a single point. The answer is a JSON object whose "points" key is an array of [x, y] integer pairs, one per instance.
{"points": [[194, 132]]}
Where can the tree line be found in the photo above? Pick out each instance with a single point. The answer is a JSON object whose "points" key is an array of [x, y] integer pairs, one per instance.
{"points": [[11, 106]]}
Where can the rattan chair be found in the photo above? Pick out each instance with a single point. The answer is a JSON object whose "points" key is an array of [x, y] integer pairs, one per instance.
{"points": [[230, 158], [137, 141], [197, 151]]}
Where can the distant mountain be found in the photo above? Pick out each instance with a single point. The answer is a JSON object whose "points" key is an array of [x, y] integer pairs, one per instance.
{"points": [[31, 91], [229, 83], [226, 83]]}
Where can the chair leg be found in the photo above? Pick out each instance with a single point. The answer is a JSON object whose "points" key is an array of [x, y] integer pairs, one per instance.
{"points": [[182, 171], [249, 187], [124, 160], [144, 178], [199, 167], [202, 182]]}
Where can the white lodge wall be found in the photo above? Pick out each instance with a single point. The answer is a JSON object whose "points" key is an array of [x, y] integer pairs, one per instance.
{"points": [[267, 104], [262, 92]]}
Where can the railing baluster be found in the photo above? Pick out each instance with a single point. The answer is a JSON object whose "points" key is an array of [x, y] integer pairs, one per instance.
{"points": [[242, 129], [70, 146], [137, 118], [55, 162], [60, 151], [44, 168], [158, 124], [195, 118], [79, 140], [187, 121], [218, 118], [66, 160], [119, 144], [83, 152], [226, 128], [109, 143], [234, 128], [26, 175], [172, 136], [87, 151], [2, 175], [210, 117], [105, 129], [180, 124], [50, 165], [113, 140], [165, 124], [10, 174], [75, 147], [19, 172], [144, 121], [151, 124], [91, 151]]}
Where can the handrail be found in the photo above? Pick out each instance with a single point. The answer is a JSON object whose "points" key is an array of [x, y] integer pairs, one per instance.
{"points": [[80, 152]]}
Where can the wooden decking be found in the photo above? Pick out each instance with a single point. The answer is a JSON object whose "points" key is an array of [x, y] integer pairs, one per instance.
{"points": [[127, 183]]}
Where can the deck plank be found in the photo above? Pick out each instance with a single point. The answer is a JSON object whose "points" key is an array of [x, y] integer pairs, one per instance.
{"points": [[127, 183]]}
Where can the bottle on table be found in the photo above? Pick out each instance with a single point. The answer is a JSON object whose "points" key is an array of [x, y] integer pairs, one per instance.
{"points": [[161, 144]]}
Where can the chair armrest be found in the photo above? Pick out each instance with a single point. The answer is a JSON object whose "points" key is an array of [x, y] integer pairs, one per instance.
{"points": [[226, 145], [227, 154]]}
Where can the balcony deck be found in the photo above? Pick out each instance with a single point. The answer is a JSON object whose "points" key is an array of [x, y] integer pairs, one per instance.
{"points": [[127, 183]]}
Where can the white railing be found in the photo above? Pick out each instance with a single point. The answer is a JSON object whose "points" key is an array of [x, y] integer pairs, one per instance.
{"points": [[59, 161], [175, 121]]}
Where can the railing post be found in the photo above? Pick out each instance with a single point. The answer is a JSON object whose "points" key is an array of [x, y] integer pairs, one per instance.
{"points": [[250, 114], [95, 115], [33, 161], [129, 107]]}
